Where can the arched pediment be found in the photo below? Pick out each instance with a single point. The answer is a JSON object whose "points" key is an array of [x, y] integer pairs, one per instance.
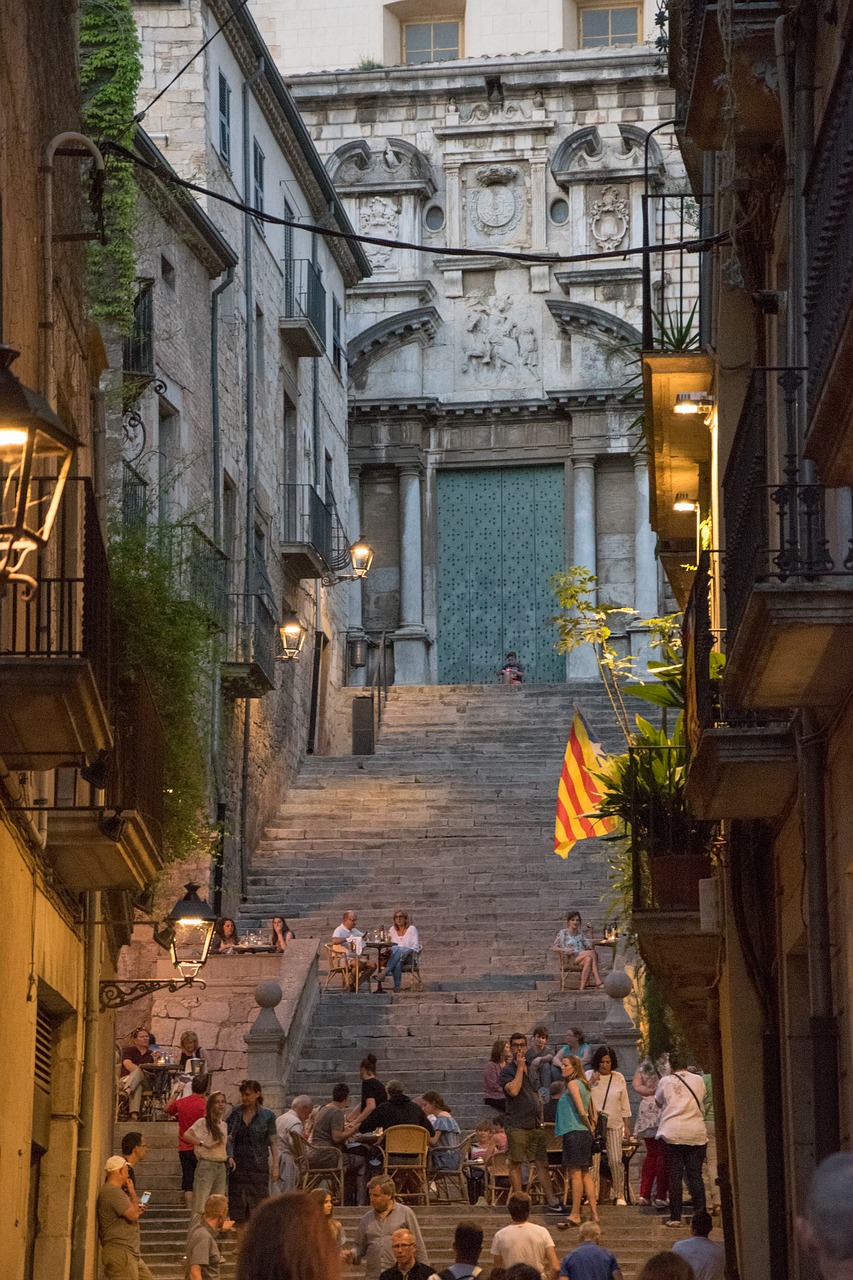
{"points": [[587, 157], [419, 325], [580, 317], [396, 166]]}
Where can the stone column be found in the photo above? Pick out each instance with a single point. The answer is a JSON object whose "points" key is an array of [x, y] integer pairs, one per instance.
{"points": [[410, 638], [645, 567], [358, 675], [582, 664]]}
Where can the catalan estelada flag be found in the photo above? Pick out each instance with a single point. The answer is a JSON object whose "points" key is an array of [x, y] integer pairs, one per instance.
{"points": [[580, 793]]}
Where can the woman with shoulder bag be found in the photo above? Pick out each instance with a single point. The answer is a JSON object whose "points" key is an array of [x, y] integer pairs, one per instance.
{"points": [[610, 1095], [575, 1124], [681, 1096], [654, 1178]]}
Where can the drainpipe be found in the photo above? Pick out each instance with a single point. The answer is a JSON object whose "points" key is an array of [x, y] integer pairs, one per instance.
{"points": [[248, 284], [85, 1136], [215, 728]]}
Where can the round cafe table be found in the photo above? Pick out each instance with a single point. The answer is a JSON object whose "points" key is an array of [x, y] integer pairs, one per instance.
{"points": [[160, 1075]]}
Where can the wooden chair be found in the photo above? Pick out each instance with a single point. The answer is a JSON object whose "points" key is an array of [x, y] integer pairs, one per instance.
{"points": [[498, 1182], [405, 1148], [338, 963], [569, 967], [557, 1174], [443, 1179], [412, 965], [331, 1177]]}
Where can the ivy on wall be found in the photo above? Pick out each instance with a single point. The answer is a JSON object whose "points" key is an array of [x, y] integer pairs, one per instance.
{"points": [[110, 71]]}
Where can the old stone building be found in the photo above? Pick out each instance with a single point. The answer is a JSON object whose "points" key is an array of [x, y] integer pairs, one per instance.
{"points": [[493, 402]]}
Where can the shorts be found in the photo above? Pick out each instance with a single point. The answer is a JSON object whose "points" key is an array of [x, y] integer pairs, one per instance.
{"points": [[577, 1150], [524, 1146], [188, 1164]]}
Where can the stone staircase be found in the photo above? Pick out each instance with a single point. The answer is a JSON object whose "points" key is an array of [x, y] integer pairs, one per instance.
{"points": [[452, 819]]}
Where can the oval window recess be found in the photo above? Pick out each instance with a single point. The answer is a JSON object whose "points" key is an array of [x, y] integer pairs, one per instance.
{"points": [[434, 217], [559, 212]]}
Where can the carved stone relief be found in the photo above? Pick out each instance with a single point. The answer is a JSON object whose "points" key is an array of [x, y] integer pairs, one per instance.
{"points": [[379, 216], [608, 217], [495, 202], [499, 345]]}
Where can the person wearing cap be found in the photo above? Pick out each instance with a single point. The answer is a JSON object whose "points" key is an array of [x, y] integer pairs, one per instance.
{"points": [[118, 1225]]}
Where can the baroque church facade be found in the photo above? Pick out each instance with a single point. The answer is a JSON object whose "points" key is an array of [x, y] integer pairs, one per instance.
{"points": [[494, 436]]}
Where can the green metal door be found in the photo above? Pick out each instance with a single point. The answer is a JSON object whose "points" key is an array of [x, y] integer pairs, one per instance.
{"points": [[500, 538]]}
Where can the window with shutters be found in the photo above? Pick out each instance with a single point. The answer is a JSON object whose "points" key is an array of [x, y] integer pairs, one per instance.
{"points": [[224, 119]]}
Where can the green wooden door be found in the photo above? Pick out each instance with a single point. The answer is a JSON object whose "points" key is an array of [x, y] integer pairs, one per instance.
{"points": [[500, 538]]}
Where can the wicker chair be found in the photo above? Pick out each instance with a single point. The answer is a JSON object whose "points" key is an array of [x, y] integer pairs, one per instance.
{"points": [[405, 1148], [498, 1182], [310, 1176], [443, 1179], [338, 962]]}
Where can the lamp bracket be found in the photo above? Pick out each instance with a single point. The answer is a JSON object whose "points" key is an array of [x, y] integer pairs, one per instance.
{"points": [[115, 994], [331, 579]]}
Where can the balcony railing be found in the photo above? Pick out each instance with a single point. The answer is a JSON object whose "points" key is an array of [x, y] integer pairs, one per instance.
{"points": [[700, 691], [671, 274], [304, 294], [306, 520], [136, 781], [248, 668], [134, 499], [69, 616]]}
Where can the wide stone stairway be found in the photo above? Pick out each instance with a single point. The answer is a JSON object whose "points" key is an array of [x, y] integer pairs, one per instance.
{"points": [[452, 820]]}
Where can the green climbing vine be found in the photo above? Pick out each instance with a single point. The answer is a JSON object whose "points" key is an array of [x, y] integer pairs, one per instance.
{"points": [[110, 72]]}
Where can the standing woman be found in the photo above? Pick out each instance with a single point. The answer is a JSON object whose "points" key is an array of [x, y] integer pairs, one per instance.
{"points": [[493, 1094], [209, 1140], [446, 1132], [654, 1179], [324, 1200], [254, 1146], [610, 1095], [281, 933], [575, 1124]]}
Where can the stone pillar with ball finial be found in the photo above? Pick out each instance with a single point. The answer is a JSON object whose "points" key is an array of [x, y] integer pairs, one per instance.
{"points": [[265, 1042], [618, 1029]]}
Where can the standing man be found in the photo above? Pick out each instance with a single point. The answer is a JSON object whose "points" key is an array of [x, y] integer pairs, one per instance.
{"points": [[289, 1125], [202, 1247], [404, 1247], [826, 1232], [252, 1143], [350, 940], [329, 1136], [118, 1225], [188, 1110], [524, 1241], [374, 1232], [467, 1247], [134, 1148], [526, 1141], [706, 1257]]}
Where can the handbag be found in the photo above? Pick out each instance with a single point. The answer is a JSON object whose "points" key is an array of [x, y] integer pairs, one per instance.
{"points": [[599, 1133]]}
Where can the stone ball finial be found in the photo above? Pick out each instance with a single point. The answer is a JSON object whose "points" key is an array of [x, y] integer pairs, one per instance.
{"points": [[268, 994], [618, 984]]}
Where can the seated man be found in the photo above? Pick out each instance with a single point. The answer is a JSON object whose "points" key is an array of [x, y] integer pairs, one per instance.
{"points": [[330, 1134], [539, 1060], [399, 1109], [133, 1079], [350, 941]]}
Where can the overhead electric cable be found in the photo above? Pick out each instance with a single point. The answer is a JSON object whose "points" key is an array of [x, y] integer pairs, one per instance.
{"points": [[698, 245]]}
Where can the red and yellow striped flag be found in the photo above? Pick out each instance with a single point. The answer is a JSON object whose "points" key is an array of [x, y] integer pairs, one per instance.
{"points": [[580, 793]]}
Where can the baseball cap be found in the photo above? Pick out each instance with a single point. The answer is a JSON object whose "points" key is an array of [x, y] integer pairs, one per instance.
{"points": [[114, 1164]]}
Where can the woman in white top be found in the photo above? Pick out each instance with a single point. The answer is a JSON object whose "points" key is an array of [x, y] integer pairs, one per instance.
{"points": [[610, 1095], [404, 936], [680, 1096], [209, 1138]]}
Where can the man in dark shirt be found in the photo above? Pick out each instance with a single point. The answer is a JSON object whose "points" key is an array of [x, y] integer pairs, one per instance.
{"points": [[399, 1109], [526, 1140], [405, 1267], [133, 1058]]}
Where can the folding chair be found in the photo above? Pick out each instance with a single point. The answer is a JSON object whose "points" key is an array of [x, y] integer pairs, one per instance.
{"points": [[405, 1148], [445, 1178], [412, 965], [568, 966]]}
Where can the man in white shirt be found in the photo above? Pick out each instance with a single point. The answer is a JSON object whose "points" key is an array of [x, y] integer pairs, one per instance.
{"points": [[348, 939], [290, 1123], [524, 1241], [826, 1232], [681, 1125], [706, 1257]]}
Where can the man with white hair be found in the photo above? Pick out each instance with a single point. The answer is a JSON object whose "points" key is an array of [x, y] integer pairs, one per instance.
{"points": [[827, 1230], [289, 1125]]}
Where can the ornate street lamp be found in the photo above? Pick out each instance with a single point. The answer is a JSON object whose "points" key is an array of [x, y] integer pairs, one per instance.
{"points": [[361, 554], [293, 635], [187, 933], [36, 452]]}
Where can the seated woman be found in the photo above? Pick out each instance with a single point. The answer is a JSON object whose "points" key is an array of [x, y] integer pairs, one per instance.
{"points": [[446, 1133], [190, 1049], [227, 935], [281, 933], [489, 1140], [404, 937], [493, 1094], [136, 1055], [573, 942]]}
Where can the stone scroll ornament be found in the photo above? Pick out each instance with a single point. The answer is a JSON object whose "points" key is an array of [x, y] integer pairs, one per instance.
{"points": [[379, 216], [496, 207], [608, 219]]}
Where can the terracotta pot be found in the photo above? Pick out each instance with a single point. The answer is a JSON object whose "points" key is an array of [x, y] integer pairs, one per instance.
{"points": [[675, 880]]}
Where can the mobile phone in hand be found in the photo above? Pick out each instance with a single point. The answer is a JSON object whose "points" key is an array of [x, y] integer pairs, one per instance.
{"points": [[145, 1197]]}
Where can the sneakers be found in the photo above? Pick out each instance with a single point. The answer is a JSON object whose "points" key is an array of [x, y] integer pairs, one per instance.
{"points": [[620, 1200], [644, 1200], [558, 1210]]}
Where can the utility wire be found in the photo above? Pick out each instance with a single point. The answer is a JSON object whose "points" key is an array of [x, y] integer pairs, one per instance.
{"points": [[698, 245], [144, 112]]}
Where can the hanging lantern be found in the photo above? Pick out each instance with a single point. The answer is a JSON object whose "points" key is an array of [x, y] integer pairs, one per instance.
{"points": [[293, 635], [192, 923], [361, 554]]}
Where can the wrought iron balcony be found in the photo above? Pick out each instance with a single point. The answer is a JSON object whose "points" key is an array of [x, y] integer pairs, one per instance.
{"points": [[202, 574], [302, 322], [829, 283], [248, 670], [134, 499], [307, 531], [671, 275], [789, 603], [55, 673]]}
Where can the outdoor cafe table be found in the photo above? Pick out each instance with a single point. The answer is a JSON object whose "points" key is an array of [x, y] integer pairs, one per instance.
{"points": [[160, 1074]]}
